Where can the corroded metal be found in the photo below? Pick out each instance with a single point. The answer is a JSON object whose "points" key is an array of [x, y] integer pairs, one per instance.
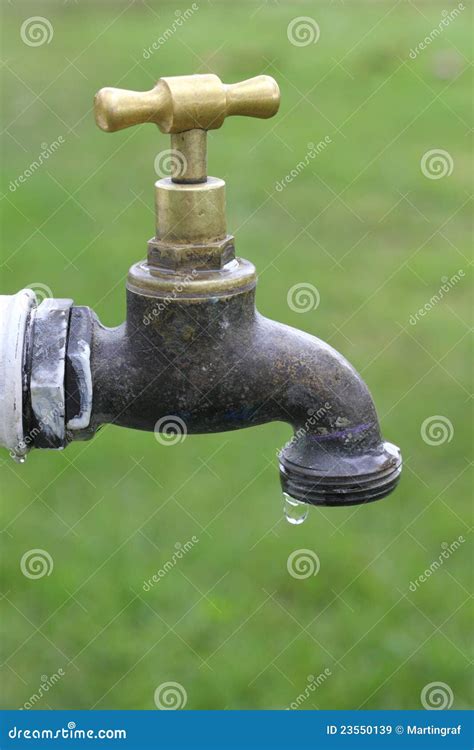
{"points": [[215, 364], [153, 281], [210, 255]]}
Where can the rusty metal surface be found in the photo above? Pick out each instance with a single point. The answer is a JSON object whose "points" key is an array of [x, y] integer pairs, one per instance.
{"points": [[216, 364]]}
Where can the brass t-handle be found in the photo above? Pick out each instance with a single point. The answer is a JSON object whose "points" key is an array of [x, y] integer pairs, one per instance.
{"points": [[187, 107], [182, 103]]}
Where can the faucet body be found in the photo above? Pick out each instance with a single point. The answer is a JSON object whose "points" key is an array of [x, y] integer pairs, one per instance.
{"points": [[194, 354], [216, 364]]}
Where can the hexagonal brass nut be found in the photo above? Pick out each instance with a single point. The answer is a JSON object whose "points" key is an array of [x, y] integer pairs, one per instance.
{"points": [[212, 255]]}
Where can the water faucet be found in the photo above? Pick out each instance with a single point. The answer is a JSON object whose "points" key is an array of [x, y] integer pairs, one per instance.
{"points": [[193, 354]]}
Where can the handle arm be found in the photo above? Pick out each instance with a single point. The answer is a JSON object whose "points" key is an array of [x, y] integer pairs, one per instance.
{"points": [[182, 103]]}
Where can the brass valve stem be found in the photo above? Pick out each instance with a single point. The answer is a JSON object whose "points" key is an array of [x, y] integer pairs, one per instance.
{"points": [[191, 228], [189, 156], [190, 207]]}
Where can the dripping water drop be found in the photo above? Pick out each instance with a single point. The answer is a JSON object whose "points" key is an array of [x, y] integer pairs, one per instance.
{"points": [[295, 512], [18, 458]]}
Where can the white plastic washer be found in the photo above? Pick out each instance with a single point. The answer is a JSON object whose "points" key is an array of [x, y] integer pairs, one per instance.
{"points": [[15, 313]]}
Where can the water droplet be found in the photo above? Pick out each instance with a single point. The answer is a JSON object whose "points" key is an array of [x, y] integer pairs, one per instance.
{"points": [[18, 458], [295, 512]]}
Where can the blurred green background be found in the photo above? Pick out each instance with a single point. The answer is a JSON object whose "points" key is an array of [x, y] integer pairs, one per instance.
{"points": [[375, 236]]}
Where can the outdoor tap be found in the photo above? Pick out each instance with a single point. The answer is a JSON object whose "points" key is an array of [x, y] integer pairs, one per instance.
{"points": [[193, 355]]}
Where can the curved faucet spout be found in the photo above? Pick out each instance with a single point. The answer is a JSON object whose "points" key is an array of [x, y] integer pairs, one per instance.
{"points": [[218, 365], [200, 364], [336, 455]]}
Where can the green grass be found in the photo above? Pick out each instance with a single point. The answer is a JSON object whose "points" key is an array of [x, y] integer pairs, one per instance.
{"points": [[375, 236]]}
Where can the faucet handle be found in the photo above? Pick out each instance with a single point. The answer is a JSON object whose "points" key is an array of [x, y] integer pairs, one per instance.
{"points": [[180, 103]]}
